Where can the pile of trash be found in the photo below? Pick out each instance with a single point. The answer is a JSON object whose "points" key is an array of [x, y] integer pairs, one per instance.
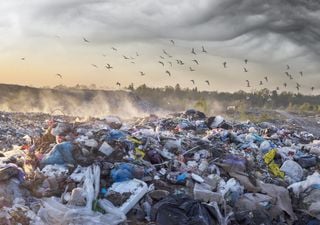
{"points": [[185, 169]]}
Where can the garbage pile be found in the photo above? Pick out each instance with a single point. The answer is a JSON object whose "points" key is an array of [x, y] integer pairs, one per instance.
{"points": [[185, 169]]}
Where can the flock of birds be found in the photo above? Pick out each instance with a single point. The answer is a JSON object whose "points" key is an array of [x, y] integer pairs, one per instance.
{"points": [[168, 58]]}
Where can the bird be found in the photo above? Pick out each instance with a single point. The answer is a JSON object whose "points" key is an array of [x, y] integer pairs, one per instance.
{"points": [[180, 62], [192, 81], [298, 85], [164, 52], [125, 57], [193, 52], [207, 82], [137, 54], [196, 61], [170, 63], [298, 88], [94, 65], [301, 73], [287, 74], [161, 63], [23, 58], [131, 58], [172, 42], [248, 83], [59, 75], [132, 62], [285, 85], [108, 66], [114, 49], [277, 88], [261, 83], [290, 76], [85, 40], [312, 88], [142, 73], [168, 72], [161, 57], [288, 67], [191, 69], [245, 70], [266, 78], [225, 64], [203, 50], [246, 61], [118, 84]]}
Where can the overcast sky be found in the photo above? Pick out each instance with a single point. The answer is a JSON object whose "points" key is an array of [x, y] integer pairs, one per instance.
{"points": [[270, 34]]}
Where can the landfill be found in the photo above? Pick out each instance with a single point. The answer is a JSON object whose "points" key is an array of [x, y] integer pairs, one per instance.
{"points": [[181, 169]]}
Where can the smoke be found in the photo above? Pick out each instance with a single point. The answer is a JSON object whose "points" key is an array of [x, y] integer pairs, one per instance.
{"points": [[84, 103]]}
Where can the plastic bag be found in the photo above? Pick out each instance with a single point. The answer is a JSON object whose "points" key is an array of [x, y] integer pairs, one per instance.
{"points": [[54, 213]]}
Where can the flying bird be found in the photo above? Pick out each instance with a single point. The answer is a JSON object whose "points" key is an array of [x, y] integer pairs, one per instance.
{"points": [[59, 75], [137, 54], [248, 83], [125, 57], [290, 76], [225, 64], [207, 82], [203, 50], [114, 49], [180, 62], [196, 61], [161, 63], [246, 61], [23, 58], [172, 42], [312, 88], [161, 57], [118, 84], [298, 85], [192, 81], [266, 78], [193, 52], [191, 69], [85, 40], [164, 52], [245, 70], [288, 67], [170, 63], [287, 74], [277, 88], [108, 66], [285, 85], [301, 73], [261, 83], [142, 73], [168, 72], [94, 65]]}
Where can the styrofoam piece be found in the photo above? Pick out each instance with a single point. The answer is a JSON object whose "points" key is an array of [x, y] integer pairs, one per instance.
{"points": [[106, 149], [197, 178], [54, 170], [138, 189]]}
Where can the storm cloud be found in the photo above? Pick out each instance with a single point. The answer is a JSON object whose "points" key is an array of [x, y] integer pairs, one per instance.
{"points": [[267, 31]]}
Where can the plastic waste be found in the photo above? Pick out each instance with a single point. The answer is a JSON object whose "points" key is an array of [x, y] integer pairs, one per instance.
{"points": [[307, 161], [60, 154], [301, 186], [53, 212], [106, 149], [293, 170], [126, 171], [183, 210], [137, 190]]}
